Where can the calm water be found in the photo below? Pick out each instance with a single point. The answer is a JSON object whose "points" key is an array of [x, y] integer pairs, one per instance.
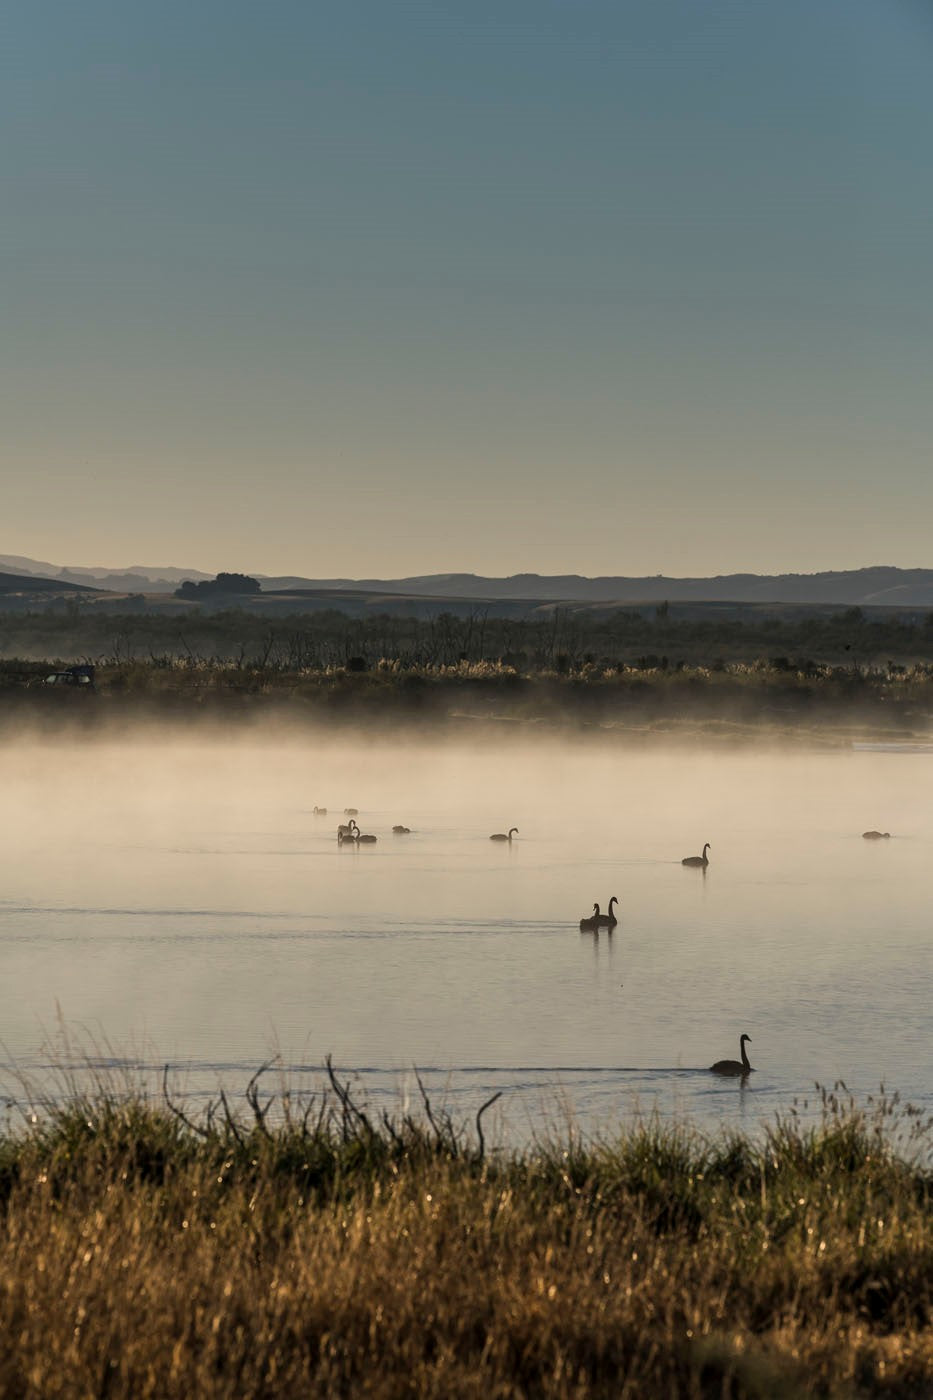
{"points": [[167, 902]]}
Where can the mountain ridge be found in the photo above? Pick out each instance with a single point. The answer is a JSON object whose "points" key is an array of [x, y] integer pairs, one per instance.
{"points": [[874, 585]]}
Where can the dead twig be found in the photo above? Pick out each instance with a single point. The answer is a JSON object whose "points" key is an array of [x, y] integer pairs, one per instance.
{"points": [[479, 1123], [231, 1121], [252, 1098], [349, 1108], [180, 1113]]}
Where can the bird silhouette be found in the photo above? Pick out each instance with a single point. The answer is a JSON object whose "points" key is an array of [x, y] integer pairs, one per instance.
{"points": [[608, 920], [734, 1067]]}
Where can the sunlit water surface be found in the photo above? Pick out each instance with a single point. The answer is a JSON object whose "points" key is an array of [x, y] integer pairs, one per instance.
{"points": [[166, 902]]}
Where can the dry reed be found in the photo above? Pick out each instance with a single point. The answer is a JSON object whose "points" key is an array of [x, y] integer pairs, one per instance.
{"points": [[146, 1254]]}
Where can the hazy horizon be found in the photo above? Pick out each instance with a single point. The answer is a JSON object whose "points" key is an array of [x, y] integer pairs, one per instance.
{"points": [[353, 291], [164, 570]]}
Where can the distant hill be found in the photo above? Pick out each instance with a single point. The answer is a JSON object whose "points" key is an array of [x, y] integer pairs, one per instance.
{"points": [[32, 583], [873, 587], [880, 586], [139, 578]]}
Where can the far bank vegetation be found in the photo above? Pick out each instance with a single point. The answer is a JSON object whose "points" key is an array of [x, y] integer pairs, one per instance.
{"points": [[626, 668]]}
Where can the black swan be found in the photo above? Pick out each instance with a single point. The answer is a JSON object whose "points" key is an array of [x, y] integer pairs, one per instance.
{"points": [[608, 920], [734, 1067]]}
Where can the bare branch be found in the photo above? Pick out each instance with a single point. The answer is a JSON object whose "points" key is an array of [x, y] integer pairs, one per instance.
{"points": [[179, 1113], [479, 1123]]}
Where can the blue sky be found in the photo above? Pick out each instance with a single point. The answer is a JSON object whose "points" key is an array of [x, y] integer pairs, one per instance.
{"points": [[359, 288]]}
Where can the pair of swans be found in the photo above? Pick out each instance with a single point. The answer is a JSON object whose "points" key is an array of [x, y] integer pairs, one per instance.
{"points": [[597, 920], [501, 836], [351, 832]]}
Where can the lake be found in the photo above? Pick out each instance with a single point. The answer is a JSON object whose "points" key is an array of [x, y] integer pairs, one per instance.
{"points": [[166, 901]]}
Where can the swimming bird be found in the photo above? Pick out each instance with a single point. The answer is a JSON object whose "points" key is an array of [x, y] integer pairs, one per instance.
{"points": [[351, 811], [362, 837], [591, 924], [401, 830], [702, 860], [501, 836], [320, 811], [876, 835], [734, 1067], [348, 832], [608, 920]]}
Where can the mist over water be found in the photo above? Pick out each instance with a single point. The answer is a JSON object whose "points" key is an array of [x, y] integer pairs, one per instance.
{"points": [[180, 902]]}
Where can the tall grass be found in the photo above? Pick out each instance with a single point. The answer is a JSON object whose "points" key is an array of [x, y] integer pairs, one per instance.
{"points": [[148, 1253]]}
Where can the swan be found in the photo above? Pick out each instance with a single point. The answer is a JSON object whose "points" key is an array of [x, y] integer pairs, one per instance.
{"points": [[876, 835], [591, 924], [350, 832], [351, 811], [608, 920], [734, 1067], [401, 830], [501, 836], [360, 838], [702, 860], [320, 811]]}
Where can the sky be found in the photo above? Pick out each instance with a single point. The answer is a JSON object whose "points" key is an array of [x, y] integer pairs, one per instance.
{"points": [[370, 289]]}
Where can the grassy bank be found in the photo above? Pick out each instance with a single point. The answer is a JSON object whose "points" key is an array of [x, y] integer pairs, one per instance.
{"points": [[625, 669], [772, 694], [147, 1254]]}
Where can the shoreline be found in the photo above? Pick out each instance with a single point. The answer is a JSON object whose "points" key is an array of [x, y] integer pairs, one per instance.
{"points": [[737, 704]]}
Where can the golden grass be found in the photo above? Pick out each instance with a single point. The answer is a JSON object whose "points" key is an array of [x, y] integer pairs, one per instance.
{"points": [[144, 1256]]}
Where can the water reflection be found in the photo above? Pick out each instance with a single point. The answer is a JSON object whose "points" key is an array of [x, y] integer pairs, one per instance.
{"points": [[190, 897]]}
